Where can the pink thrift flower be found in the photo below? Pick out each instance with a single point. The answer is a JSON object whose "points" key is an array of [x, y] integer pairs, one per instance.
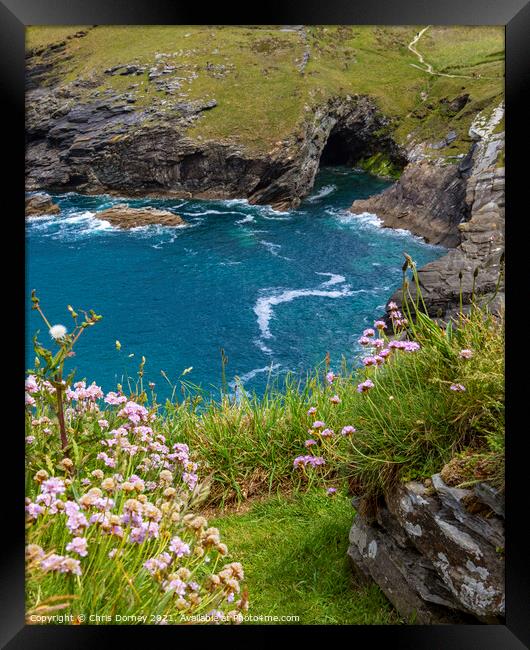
{"points": [[114, 398], [330, 377], [335, 399], [318, 424], [312, 410], [178, 547], [31, 384], [457, 388], [365, 386], [369, 361], [78, 545], [465, 354], [347, 430]]}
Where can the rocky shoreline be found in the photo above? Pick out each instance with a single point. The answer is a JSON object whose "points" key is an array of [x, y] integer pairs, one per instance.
{"points": [[459, 206], [85, 139]]}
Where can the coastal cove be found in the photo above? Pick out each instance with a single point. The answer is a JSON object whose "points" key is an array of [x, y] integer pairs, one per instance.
{"points": [[275, 290]]}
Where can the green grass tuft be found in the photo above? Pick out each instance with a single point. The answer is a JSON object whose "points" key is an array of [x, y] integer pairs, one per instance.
{"points": [[294, 554]]}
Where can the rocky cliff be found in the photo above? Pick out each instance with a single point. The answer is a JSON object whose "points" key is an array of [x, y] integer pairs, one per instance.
{"points": [[249, 112], [243, 112], [460, 206]]}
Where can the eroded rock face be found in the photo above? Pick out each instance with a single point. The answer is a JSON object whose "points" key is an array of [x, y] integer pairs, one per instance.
{"points": [[428, 199], [437, 552], [83, 139], [124, 217], [477, 227], [39, 204]]}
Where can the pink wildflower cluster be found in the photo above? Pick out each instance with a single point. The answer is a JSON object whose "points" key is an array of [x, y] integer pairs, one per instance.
{"points": [[34, 386], [381, 348], [313, 461], [81, 392], [397, 318], [52, 561]]}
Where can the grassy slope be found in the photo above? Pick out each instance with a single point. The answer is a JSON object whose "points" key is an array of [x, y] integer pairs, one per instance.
{"points": [[262, 96], [294, 554]]}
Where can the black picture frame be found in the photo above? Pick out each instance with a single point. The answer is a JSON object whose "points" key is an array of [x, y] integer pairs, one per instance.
{"points": [[15, 15]]}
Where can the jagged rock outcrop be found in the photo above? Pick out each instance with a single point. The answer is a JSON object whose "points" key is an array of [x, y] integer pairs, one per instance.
{"points": [[85, 139], [107, 144], [474, 217], [354, 124], [124, 217], [428, 199], [437, 552], [39, 204]]}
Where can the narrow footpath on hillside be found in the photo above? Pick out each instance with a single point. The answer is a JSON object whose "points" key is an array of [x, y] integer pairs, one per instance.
{"points": [[427, 66]]}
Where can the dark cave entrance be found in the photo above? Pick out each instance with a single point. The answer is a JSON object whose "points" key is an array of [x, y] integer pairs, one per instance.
{"points": [[340, 150]]}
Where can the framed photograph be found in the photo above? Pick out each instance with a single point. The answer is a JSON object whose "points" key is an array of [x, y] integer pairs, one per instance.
{"points": [[264, 316]]}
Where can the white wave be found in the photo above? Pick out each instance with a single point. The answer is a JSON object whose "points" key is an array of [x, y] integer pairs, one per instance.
{"points": [[236, 202], [213, 211], [324, 191], [247, 219], [84, 222], [261, 345], [252, 373], [363, 218], [273, 249], [335, 278], [264, 304], [273, 218], [41, 218]]}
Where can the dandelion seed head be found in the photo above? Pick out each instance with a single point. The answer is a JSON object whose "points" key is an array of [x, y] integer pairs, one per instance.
{"points": [[58, 332]]}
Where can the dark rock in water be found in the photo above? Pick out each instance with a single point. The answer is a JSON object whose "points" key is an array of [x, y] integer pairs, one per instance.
{"points": [[123, 216], [107, 143], [436, 561], [39, 204]]}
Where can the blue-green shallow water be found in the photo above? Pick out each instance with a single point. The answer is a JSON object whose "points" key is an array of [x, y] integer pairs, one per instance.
{"points": [[272, 289]]}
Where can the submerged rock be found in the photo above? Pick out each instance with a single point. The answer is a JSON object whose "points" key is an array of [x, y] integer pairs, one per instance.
{"points": [[123, 216], [39, 204]]}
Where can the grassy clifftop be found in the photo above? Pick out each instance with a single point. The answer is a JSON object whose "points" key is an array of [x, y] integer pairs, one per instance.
{"points": [[266, 79]]}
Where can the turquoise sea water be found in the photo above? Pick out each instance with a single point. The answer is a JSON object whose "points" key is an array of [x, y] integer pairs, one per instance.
{"points": [[275, 290]]}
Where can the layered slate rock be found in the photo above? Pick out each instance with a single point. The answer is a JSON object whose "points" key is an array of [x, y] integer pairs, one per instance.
{"points": [[437, 552], [428, 199], [122, 216], [474, 218], [40, 204]]}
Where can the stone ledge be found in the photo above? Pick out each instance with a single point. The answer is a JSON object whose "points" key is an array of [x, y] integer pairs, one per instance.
{"points": [[433, 556]]}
